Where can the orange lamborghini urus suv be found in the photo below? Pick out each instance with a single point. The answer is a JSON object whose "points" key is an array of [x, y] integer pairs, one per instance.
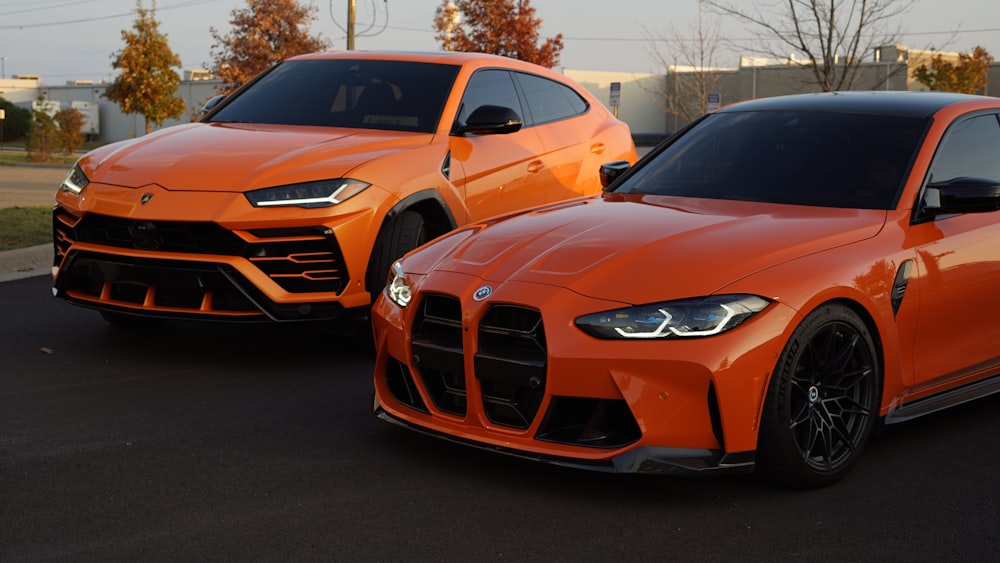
{"points": [[292, 197], [757, 294]]}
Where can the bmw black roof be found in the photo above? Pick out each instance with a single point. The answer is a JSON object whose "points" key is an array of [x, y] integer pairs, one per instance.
{"points": [[903, 103]]}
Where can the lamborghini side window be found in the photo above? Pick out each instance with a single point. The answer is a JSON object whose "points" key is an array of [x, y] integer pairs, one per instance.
{"points": [[489, 88], [549, 100]]}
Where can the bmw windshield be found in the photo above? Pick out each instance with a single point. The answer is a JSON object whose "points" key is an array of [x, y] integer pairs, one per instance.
{"points": [[828, 159]]}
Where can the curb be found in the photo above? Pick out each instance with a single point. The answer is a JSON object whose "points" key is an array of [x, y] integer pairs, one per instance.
{"points": [[23, 263]]}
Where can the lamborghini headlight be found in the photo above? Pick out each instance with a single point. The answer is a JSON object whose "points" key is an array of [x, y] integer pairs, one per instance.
{"points": [[398, 289], [75, 181], [674, 319], [324, 193]]}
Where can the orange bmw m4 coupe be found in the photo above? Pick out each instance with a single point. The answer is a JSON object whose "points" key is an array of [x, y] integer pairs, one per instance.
{"points": [[292, 197], [757, 294]]}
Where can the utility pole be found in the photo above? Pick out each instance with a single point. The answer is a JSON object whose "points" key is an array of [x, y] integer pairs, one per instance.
{"points": [[350, 25], [349, 28]]}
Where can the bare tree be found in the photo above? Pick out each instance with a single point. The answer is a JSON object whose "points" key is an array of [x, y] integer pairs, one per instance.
{"points": [[834, 36], [690, 65]]}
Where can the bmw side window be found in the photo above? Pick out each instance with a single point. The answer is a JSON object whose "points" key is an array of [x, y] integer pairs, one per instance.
{"points": [[489, 88], [549, 100], [971, 150]]}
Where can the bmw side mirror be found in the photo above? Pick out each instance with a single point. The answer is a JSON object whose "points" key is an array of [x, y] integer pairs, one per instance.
{"points": [[211, 104], [611, 171], [962, 195]]}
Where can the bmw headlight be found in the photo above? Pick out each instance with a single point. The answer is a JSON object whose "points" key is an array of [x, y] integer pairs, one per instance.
{"points": [[398, 289], [324, 193], [673, 319], [75, 181]]}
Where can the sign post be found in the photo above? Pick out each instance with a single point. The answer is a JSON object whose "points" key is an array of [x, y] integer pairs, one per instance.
{"points": [[3, 115], [713, 101], [616, 97]]}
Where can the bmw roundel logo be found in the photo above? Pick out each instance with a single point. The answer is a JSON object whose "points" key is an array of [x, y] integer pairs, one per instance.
{"points": [[482, 293]]}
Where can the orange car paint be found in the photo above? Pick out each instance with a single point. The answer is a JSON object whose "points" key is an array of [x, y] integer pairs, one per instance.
{"points": [[615, 250], [199, 173]]}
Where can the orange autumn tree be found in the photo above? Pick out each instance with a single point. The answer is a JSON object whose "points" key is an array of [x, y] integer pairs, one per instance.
{"points": [[263, 33], [146, 82], [498, 27], [70, 135], [968, 76]]}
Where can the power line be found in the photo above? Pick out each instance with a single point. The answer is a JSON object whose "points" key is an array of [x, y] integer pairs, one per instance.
{"points": [[647, 40], [36, 8], [185, 4], [350, 30]]}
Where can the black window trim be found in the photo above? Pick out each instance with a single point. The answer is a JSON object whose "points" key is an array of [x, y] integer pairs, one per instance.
{"points": [[917, 214], [521, 109], [522, 99]]}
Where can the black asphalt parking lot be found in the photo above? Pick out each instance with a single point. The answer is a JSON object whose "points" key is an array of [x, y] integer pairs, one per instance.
{"points": [[221, 442]]}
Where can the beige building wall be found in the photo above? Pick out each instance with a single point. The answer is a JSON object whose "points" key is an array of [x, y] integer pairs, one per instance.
{"points": [[892, 68], [641, 106], [643, 100]]}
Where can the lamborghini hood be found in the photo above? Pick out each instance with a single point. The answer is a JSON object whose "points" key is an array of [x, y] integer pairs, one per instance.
{"points": [[226, 157], [644, 247]]}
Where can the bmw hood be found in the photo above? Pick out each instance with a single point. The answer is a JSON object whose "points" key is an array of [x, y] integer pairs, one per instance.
{"points": [[225, 157], [658, 246]]}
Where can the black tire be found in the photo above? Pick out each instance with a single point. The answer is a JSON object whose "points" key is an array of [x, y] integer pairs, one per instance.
{"points": [[822, 402], [407, 231]]}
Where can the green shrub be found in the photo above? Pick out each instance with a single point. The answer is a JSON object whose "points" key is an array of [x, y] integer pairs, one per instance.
{"points": [[16, 123]]}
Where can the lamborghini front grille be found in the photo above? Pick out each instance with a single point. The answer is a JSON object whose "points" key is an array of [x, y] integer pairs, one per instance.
{"points": [[299, 260]]}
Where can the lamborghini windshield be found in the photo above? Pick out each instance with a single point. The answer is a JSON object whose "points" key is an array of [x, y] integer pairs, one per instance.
{"points": [[370, 94]]}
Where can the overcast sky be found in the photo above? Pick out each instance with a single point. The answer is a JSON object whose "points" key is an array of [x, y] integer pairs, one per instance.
{"points": [[64, 40]]}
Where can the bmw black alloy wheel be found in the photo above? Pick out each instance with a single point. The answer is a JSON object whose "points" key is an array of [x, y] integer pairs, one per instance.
{"points": [[823, 400]]}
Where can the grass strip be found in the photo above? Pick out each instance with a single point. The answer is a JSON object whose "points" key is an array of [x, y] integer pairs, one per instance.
{"points": [[21, 227]]}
